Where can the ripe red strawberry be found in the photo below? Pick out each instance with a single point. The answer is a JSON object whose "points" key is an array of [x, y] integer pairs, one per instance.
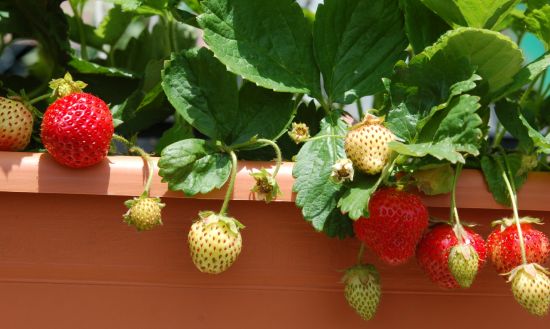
{"points": [[504, 249], [397, 220], [15, 125], [77, 130], [433, 251]]}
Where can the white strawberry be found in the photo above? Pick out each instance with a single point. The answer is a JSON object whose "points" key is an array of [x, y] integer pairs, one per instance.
{"points": [[16, 122], [214, 242], [531, 288], [366, 145]]}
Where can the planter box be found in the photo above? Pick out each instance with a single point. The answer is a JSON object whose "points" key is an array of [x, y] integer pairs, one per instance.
{"points": [[68, 261]]}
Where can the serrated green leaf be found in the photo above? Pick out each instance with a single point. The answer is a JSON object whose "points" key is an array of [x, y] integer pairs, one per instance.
{"points": [[113, 25], [202, 92], [452, 130], [495, 57], [262, 113], [180, 130], [194, 166], [492, 171], [86, 67], [538, 22], [357, 42], [508, 113], [267, 42], [402, 123], [541, 142], [525, 75], [423, 27], [472, 13], [355, 200], [317, 195]]}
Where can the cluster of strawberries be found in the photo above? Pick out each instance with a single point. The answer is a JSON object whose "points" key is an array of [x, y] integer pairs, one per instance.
{"points": [[450, 254]]}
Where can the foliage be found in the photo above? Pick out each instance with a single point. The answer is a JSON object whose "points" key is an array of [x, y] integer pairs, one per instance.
{"points": [[436, 70]]}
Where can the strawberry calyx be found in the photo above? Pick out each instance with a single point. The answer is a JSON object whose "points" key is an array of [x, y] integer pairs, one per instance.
{"points": [[368, 120], [65, 86], [266, 187], [507, 222], [299, 133], [209, 218], [361, 273], [342, 171], [531, 269]]}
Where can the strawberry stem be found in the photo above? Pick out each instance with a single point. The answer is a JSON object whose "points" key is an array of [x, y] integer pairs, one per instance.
{"points": [[277, 152], [454, 210], [39, 98], [231, 185], [361, 254], [513, 199], [132, 148], [323, 136]]}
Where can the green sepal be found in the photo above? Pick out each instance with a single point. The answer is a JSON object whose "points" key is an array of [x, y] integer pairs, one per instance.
{"points": [[210, 218], [266, 186]]}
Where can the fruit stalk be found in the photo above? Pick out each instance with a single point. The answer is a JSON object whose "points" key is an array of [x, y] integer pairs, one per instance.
{"points": [[513, 199], [231, 185], [455, 219], [277, 152], [150, 165], [361, 254]]}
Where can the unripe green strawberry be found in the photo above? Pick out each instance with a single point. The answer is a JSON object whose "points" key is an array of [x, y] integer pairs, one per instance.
{"points": [[531, 288], [463, 264], [144, 213], [16, 123], [367, 145], [362, 290], [214, 242]]}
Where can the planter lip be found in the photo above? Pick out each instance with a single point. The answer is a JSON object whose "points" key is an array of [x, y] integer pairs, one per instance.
{"points": [[24, 172]]}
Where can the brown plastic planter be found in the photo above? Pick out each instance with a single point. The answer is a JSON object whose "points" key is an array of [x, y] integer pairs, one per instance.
{"points": [[68, 261]]}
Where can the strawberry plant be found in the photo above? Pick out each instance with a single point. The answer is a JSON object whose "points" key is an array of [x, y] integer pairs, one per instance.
{"points": [[449, 84]]}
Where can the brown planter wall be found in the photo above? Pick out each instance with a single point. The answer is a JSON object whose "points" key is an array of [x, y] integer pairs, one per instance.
{"points": [[67, 260]]}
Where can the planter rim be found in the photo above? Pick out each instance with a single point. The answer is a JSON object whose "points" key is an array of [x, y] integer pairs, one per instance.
{"points": [[24, 172]]}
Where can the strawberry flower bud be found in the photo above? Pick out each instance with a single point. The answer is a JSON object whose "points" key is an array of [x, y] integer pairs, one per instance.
{"points": [[299, 132]]}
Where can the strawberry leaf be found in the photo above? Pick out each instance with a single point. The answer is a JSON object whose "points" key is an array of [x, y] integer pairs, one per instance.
{"points": [[317, 195], [267, 42], [423, 27], [493, 174], [542, 143], [357, 42], [194, 166], [203, 92], [355, 200]]}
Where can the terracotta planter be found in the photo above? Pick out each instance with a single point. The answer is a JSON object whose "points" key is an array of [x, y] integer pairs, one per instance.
{"points": [[67, 260]]}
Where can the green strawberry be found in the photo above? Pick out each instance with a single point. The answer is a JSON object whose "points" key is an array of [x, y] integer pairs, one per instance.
{"points": [[214, 242], [362, 289], [463, 264], [144, 213], [531, 288], [366, 145]]}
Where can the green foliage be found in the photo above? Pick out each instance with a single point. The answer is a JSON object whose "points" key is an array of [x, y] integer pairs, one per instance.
{"points": [[357, 43], [266, 41], [194, 166]]}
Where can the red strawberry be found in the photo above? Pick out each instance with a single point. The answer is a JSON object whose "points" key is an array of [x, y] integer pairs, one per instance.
{"points": [[15, 125], [397, 220], [433, 251], [504, 248], [77, 130]]}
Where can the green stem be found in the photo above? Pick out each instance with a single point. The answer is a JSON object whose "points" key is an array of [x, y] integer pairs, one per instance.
{"points": [[324, 136], [39, 98], [513, 199], [455, 219], [172, 31], [360, 109], [528, 90], [80, 27], [231, 185], [145, 156], [277, 152], [361, 254], [499, 135]]}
